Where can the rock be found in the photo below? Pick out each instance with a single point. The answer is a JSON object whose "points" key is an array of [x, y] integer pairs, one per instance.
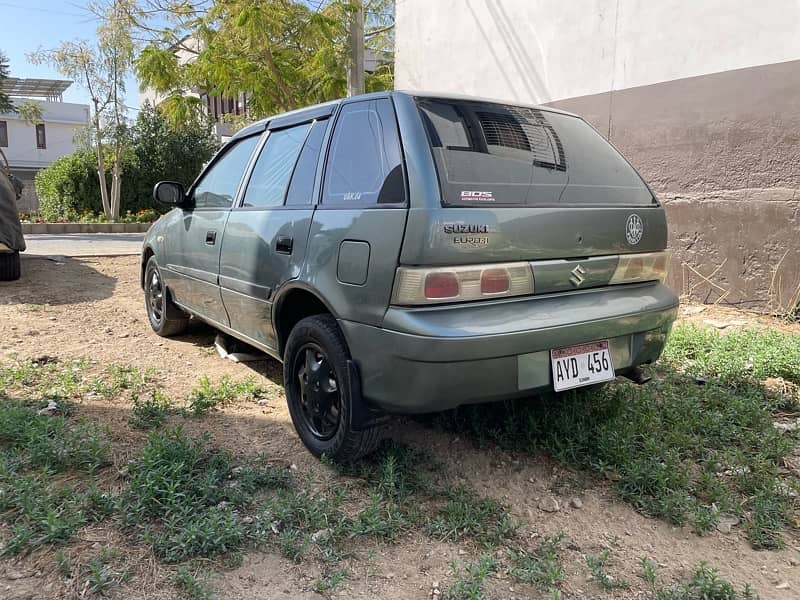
{"points": [[783, 585], [50, 410], [549, 504], [791, 426], [793, 561], [693, 310], [461, 552], [700, 380], [726, 523], [321, 536], [293, 467], [576, 503]]}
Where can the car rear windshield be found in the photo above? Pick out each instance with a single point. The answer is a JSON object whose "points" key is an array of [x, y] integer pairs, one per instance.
{"points": [[494, 154]]}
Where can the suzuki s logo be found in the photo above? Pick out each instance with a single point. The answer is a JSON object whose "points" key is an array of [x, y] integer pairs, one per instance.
{"points": [[578, 276], [634, 228]]}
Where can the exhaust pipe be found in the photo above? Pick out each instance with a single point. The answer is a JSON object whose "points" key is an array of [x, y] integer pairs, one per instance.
{"points": [[637, 375]]}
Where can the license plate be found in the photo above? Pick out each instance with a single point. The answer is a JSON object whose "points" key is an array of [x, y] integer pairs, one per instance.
{"points": [[576, 366]]}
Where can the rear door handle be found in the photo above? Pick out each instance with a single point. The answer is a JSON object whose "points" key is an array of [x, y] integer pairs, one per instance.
{"points": [[284, 244], [211, 237]]}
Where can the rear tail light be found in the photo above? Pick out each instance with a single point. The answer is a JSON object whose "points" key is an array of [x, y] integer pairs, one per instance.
{"points": [[631, 268], [432, 285]]}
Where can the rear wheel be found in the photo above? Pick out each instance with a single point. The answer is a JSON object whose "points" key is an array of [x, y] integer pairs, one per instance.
{"points": [[165, 318], [9, 266], [323, 401]]}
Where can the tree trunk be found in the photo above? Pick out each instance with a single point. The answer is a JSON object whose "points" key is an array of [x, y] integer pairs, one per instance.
{"points": [[101, 165], [116, 185]]}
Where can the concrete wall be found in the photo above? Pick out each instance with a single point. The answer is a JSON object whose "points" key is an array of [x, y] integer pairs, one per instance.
{"points": [[702, 97]]}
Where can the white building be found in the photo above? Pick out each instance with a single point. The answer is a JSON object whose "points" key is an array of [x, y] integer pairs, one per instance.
{"points": [[703, 97], [31, 147]]}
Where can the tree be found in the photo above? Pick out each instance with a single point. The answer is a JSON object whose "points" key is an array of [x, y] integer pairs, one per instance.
{"points": [[281, 53], [5, 102], [101, 69], [164, 152]]}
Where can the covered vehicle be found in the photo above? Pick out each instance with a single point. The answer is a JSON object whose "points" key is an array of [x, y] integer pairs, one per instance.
{"points": [[11, 240]]}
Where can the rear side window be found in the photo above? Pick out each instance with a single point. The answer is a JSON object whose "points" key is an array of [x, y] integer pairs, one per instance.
{"points": [[302, 187], [365, 162], [273, 169], [494, 154]]}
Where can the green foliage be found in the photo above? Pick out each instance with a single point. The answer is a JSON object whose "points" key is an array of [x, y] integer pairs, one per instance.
{"points": [[677, 450], [541, 567], [283, 54], [151, 411], [706, 584], [466, 515], [184, 495], [70, 187], [5, 102], [207, 396], [191, 587], [597, 568], [468, 581]]}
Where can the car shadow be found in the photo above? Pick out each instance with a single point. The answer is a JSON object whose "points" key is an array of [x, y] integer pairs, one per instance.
{"points": [[203, 335], [55, 282]]}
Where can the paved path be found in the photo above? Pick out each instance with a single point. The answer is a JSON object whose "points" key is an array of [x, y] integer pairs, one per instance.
{"points": [[84, 244]]}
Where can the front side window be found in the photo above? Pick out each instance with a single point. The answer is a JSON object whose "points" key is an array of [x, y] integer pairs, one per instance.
{"points": [[3, 134], [218, 187], [41, 139], [365, 161], [273, 169]]}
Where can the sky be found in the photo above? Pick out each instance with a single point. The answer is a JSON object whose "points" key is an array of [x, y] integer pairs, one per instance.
{"points": [[26, 25]]}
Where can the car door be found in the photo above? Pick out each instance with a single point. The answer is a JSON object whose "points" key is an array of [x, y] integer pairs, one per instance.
{"points": [[358, 227], [266, 234], [193, 244]]}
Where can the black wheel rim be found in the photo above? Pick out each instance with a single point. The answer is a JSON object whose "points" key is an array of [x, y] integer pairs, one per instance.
{"points": [[320, 397], [155, 296]]}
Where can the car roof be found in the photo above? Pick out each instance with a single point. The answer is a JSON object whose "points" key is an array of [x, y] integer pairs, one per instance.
{"points": [[467, 98], [259, 126]]}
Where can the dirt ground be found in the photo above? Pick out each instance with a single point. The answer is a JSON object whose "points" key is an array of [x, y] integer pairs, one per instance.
{"points": [[93, 308]]}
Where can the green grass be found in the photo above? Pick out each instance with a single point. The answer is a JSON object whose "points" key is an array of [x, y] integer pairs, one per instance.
{"points": [[192, 587], [207, 395], [329, 583], [184, 494], [677, 450], [465, 515], [468, 580], [706, 584], [118, 378], [597, 568], [540, 567], [151, 411]]}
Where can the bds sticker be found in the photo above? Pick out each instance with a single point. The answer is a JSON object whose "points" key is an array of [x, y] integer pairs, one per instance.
{"points": [[475, 196]]}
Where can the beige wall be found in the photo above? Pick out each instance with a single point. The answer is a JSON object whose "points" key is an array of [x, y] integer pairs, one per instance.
{"points": [[702, 97]]}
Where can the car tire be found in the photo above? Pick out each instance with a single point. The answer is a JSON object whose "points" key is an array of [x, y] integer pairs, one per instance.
{"points": [[323, 399], [165, 318], [10, 269]]}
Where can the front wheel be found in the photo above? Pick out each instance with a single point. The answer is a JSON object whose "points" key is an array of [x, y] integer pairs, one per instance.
{"points": [[165, 318], [321, 396]]}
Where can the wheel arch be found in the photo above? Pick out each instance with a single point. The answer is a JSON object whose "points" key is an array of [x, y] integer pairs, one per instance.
{"points": [[294, 303], [146, 254]]}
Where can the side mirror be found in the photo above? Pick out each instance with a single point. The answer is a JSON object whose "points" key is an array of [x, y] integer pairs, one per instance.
{"points": [[169, 192]]}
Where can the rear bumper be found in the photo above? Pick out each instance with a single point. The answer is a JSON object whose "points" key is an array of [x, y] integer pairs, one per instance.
{"points": [[435, 358]]}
